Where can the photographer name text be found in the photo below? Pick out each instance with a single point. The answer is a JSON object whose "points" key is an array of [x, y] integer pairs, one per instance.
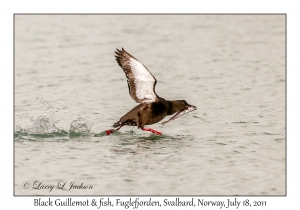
{"points": [[61, 185]]}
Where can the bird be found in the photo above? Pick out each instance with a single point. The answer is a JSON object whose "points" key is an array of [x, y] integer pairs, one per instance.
{"points": [[151, 108]]}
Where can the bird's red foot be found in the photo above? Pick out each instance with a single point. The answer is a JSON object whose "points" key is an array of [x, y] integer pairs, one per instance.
{"points": [[152, 130], [108, 132]]}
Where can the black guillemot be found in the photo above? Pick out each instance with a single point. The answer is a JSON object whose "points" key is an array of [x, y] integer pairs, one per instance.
{"points": [[151, 108]]}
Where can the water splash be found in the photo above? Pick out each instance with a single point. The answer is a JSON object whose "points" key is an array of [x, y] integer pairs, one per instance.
{"points": [[80, 127], [44, 124]]}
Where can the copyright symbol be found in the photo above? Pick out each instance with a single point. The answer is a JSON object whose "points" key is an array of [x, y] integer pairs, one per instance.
{"points": [[26, 185]]}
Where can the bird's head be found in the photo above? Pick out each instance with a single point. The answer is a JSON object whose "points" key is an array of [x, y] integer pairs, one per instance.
{"points": [[182, 105]]}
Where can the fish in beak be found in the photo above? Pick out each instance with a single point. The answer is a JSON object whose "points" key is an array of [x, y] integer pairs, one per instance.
{"points": [[186, 110]]}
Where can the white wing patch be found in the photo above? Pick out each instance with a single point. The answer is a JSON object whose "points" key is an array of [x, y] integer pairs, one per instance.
{"points": [[143, 81]]}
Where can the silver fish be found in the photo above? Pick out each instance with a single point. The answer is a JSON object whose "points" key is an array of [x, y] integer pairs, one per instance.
{"points": [[179, 114]]}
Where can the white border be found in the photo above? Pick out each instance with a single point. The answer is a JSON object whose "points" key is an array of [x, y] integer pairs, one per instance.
{"points": [[8, 8]]}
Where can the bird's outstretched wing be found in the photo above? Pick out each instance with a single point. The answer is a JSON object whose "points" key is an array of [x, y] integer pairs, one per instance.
{"points": [[141, 82]]}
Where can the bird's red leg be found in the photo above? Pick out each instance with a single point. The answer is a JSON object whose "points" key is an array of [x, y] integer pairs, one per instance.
{"points": [[153, 131], [120, 127], [108, 132]]}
